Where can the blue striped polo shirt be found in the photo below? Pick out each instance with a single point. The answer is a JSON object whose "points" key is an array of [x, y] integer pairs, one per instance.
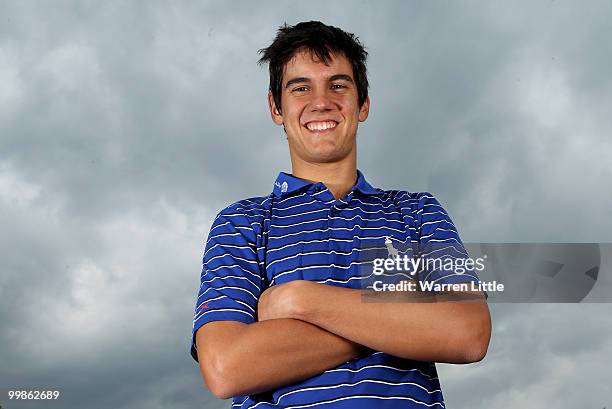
{"points": [[301, 232]]}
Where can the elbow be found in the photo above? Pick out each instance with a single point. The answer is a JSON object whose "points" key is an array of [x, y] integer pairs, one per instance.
{"points": [[219, 389], [221, 358], [217, 376], [220, 393], [479, 335], [476, 352]]}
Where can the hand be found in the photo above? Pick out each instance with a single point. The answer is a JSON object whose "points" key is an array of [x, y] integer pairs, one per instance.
{"points": [[283, 300]]}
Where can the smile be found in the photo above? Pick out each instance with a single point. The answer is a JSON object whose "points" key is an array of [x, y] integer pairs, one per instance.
{"points": [[317, 126]]}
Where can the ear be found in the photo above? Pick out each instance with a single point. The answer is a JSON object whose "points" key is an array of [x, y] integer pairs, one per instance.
{"points": [[364, 111], [274, 112]]}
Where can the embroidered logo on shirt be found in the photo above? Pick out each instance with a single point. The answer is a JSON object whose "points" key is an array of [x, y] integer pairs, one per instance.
{"points": [[284, 187], [204, 306], [392, 251]]}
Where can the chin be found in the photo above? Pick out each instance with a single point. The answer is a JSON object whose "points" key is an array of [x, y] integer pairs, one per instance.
{"points": [[325, 156]]}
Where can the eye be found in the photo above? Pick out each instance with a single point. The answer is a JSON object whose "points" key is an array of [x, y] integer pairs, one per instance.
{"points": [[300, 89], [338, 86]]}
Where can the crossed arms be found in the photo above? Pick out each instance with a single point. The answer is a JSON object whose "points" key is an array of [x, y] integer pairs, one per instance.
{"points": [[305, 328]]}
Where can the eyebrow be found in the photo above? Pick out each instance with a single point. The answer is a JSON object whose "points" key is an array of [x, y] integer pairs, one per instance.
{"points": [[335, 77]]}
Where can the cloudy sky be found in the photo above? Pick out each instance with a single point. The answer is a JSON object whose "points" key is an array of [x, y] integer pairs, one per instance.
{"points": [[125, 127]]}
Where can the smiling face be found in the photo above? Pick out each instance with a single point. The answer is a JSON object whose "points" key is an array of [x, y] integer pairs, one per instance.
{"points": [[319, 109]]}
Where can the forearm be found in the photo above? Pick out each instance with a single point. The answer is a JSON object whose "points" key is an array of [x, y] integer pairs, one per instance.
{"points": [[268, 354], [453, 332]]}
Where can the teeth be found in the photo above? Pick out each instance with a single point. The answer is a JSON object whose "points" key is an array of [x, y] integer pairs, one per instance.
{"points": [[320, 126]]}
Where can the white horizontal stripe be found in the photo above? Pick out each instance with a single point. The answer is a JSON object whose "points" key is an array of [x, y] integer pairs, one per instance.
{"points": [[226, 287], [436, 221], [198, 313], [458, 247], [334, 280], [299, 214], [430, 205], [332, 240], [366, 211], [225, 309], [347, 209], [232, 266], [361, 397], [244, 216], [233, 257], [437, 230], [222, 235], [382, 205], [297, 205], [208, 300], [385, 199], [224, 277], [231, 246], [241, 207], [338, 253], [292, 197], [254, 203], [381, 366], [310, 195], [446, 240], [223, 296], [356, 226], [246, 305], [417, 198], [436, 212], [305, 242], [331, 201], [401, 222], [269, 197], [240, 403], [318, 266], [404, 209], [426, 206], [277, 226], [327, 387], [219, 225]]}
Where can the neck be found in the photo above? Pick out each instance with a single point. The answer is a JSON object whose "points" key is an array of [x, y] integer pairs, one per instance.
{"points": [[339, 177]]}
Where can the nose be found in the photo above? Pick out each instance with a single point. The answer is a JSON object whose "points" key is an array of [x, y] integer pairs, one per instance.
{"points": [[321, 101]]}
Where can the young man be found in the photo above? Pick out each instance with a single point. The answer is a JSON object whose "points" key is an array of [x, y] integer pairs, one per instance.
{"points": [[279, 319]]}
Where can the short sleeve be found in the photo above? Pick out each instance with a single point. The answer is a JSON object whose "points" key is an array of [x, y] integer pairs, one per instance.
{"points": [[447, 260], [230, 281]]}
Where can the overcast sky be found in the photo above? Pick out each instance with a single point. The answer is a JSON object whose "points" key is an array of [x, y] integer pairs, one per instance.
{"points": [[126, 126]]}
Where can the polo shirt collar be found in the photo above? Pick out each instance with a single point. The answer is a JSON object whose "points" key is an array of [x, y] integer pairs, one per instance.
{"points": [[363, 186], [286, 184]]}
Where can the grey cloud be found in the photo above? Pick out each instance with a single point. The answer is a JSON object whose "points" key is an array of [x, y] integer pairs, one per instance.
{"points": [[540, 355]]}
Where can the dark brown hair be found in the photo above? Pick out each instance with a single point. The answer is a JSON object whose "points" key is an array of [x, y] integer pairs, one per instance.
{"points": [[320, 39]]}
